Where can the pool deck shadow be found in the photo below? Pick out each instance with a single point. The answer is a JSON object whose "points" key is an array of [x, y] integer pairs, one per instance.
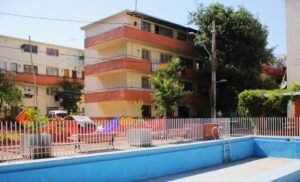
{"points": [[241, 170]]}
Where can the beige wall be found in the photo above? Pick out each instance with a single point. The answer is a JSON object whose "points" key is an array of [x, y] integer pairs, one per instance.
{"points": [[293, 40], [44, 100], [111, 109], [121, 79]]}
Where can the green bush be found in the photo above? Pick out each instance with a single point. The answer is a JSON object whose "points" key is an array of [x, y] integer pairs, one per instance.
{"points": [[255, 103]]}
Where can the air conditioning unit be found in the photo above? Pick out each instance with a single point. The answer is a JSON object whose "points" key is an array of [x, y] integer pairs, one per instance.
{"points": [[28, 92]]}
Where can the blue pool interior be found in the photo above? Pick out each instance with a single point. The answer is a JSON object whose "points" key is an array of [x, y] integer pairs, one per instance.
{"points": [[148, 163]]}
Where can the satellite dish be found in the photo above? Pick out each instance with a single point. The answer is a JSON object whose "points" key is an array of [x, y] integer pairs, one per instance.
{"points": [[283, 85]]}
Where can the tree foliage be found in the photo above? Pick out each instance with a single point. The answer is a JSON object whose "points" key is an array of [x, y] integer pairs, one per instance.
{"points": [[10, 94], [241, 48], [71, 95], [168, 91], [255, 103]]}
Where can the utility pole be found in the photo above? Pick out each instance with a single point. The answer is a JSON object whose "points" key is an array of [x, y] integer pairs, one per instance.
{"points": [[213, 70], [33, 75], [135, 7]]}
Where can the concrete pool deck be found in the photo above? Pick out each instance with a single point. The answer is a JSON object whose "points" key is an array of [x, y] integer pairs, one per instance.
{"points": [[252, 169]]}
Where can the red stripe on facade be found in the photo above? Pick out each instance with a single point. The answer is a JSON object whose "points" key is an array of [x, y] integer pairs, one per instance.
{"points": [[121, 63], [117, 95], [141, 35], [42, 79]]}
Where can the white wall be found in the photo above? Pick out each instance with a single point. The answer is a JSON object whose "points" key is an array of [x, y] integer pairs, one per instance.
{"points": [[111, 23], [68, 57], [293, 40]]}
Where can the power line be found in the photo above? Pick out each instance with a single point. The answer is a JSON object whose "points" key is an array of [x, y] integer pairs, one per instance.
{"points": [[63, 54], [59, 19]]}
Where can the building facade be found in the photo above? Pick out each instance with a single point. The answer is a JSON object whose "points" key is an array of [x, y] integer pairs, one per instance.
{"points": [[292, 8], [122, 51], [51, 64]]}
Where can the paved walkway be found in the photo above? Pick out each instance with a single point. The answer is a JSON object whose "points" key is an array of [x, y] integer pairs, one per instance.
{"points": [[244, 170]]}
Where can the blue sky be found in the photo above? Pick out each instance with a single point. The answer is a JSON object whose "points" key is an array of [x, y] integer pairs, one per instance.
{"points": [[269, 12]]}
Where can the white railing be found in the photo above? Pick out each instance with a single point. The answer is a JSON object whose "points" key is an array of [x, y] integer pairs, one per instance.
{"points": [[63, 138]]}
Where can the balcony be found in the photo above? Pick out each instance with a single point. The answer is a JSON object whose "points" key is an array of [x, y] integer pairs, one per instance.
{"points": [[135, 33], [118, 63], [117, 94], [42, 79]]}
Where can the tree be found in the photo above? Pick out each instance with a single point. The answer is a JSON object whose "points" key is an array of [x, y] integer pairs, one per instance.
{"points": [[168, 92], [10, 94], [71, 95], [241, 49]]}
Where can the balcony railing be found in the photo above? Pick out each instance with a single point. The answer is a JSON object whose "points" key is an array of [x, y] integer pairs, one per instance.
{"points": [[135, 33], [119, 88]]}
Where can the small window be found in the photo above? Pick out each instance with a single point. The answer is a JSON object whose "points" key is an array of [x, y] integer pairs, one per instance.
{"points": [[146, 111], [74, 74], [14, 67], [29, 69], [66, 73], [146, 26], [198, 65], [146, 54], [52, 71], [81, 55], [145, 82], [164, 58], [181, 36], [2, 66], [26, 48], [51, 90], [52, 52], [163, 31]]}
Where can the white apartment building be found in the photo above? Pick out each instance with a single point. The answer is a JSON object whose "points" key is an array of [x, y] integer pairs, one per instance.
{"points": [[52, 64], [293, 49]]}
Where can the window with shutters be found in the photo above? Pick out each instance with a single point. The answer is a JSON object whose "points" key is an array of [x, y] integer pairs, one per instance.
{"points": [[29, 69], [146, 54], [52, 52]]}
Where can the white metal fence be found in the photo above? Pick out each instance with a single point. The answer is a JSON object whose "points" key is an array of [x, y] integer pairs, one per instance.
{"points": [[63, 138]]}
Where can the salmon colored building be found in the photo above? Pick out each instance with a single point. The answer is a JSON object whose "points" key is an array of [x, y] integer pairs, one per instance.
{"points": [[122, 51], [51, 64]]}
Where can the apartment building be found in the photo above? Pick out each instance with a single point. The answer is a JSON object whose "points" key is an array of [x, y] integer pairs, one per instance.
{"points": [[292, 9], [122, 51], [51, 64]]}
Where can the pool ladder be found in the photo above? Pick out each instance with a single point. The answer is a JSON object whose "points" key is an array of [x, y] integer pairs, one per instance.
{"points": [[227, 150]]}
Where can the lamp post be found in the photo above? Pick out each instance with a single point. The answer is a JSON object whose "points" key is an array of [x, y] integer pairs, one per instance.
{"points": [[213, 59]]}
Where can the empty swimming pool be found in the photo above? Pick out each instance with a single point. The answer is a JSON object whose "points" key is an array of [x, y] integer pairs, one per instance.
{"points": [[148, 163]]}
